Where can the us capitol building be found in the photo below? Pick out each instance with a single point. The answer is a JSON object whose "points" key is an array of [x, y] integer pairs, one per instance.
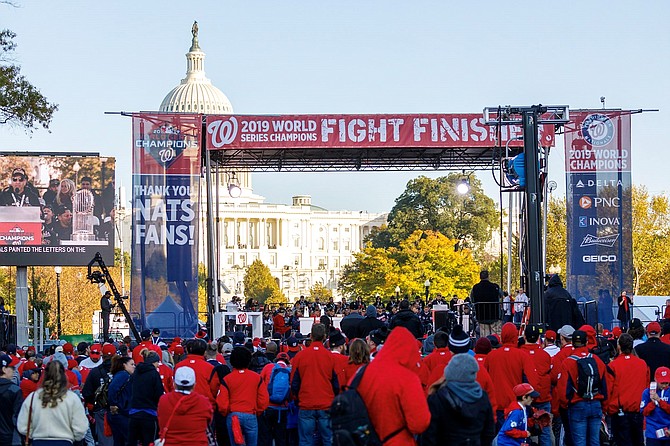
{"points": [[302, 244]]}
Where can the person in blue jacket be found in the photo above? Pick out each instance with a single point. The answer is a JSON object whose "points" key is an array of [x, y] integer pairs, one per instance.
{"points": [[118, 396], [656, 410], [515, 429]]}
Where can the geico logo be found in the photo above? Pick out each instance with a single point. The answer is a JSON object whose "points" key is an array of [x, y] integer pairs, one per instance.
{"points": [[599, 259]]}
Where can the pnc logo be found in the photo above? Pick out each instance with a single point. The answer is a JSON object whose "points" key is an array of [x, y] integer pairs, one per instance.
{"points": [[585, 202]]}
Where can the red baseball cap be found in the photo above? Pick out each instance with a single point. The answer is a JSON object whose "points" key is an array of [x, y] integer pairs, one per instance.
{"points": [[616, 332], [179, 350], [525, 389], [662, 375], [550, 334], [108, 350], [654, 328], [256, 342], [96, 350], [72, 363], [68, 348]]}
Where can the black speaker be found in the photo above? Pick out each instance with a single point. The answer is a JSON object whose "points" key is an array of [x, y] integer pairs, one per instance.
{"points": [[442, 318]]}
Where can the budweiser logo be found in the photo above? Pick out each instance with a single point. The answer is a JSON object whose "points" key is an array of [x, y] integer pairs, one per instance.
{"points": [[606, 240]]}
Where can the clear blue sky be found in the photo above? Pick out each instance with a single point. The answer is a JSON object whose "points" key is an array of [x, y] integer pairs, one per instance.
{"points": [[344, 57]]}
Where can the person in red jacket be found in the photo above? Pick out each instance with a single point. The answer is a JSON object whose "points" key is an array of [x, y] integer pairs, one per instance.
{"points": [[279, 322], [338, 347], [206, 382], [391, 390], [314, 384], [542, 362], [432, 367], [508, 366], [584, 413], [146, 343], [183, 415], [30, 378], [242, 397], [630, 378]]}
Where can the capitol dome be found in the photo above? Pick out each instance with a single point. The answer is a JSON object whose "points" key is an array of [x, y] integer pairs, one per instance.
{"points": [[195, 93]]}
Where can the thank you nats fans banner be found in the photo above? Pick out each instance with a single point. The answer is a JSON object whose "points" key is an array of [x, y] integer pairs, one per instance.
{"points": [[360, 131], [166, 182], [599, 209]]}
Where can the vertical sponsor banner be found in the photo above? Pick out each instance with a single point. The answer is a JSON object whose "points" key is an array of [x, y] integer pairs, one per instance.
{"points": [[166, 181], [599, 207]]}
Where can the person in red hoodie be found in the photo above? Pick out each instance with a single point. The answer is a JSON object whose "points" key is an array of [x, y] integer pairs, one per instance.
{"points": [[584, 411], [183, 415], [314, 384], [630, 379], [542, 362], [391, 389], [242, 397], [508, 366], [206, 382], [432, 367], [30, 378]]}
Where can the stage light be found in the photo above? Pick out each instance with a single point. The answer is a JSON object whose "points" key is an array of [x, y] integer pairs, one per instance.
{"points": [[463, 187]]}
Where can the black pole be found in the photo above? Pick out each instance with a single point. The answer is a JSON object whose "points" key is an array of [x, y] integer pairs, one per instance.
{"points": [[534, 272], [58, 304]]}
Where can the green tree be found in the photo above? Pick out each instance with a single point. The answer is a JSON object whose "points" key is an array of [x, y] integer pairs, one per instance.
{"points": [[651, 243], [423, 255], [435, 205], [258, 282], [557, 233], [21, 103], [318, 290]]}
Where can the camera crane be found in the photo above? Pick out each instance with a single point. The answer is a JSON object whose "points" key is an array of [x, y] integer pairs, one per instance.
{"points": [[102, 276]]}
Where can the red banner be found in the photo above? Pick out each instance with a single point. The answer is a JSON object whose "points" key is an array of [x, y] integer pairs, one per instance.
{"points": [[361, 131]]}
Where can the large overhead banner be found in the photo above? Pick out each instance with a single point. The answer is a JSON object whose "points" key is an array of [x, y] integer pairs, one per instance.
{"points": [[599, 208], [166, 182], [361, 131], [56, 209]]}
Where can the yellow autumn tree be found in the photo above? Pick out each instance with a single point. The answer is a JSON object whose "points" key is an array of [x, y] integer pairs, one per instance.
{"points": [[424, 255]]}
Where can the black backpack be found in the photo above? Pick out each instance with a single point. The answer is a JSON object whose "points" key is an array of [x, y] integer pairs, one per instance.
{"points": [[101, 395], [350, 420], [588, 377]]}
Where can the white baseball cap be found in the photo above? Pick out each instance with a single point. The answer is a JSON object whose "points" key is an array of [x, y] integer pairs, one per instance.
{"points": [[184, 376]]}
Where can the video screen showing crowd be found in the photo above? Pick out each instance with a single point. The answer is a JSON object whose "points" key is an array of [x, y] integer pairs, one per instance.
{"points": [[57, 204], [376, 373]]}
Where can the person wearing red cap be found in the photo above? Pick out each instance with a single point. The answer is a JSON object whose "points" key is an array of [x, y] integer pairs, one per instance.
{"points": [[549, 343], [654, 352], [508, 366], [515, 429], [656, 409], [29, 378], [630, 376]]}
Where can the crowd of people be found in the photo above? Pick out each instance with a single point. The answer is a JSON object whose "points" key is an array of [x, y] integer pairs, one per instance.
{"points": [[56, 205], [521, 384]]}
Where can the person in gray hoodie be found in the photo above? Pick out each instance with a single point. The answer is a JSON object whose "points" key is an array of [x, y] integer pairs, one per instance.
{"points": [[460, 411]]}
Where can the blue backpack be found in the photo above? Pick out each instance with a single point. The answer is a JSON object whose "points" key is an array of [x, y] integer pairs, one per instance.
{"points": [[279, 386]]}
